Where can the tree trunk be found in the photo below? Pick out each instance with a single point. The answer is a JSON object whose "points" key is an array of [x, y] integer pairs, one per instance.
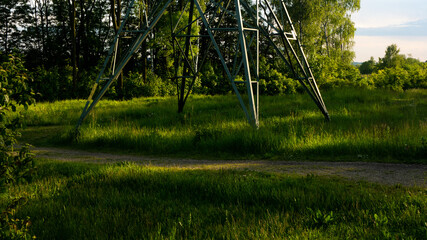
{"points": [[42, 37], [186, 70], [325, 33], [6, 47], [143, 48], [74, 45], [80, 35], [46, 5], [115, 15]]}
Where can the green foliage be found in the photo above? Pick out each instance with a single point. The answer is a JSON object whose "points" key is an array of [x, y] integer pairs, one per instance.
{"points": [[321, 219], [331, 74], [14, 17], [213, 80], [14, 85], [395, 71], [390, 78], [402, 78], [273, 82], [368, 67], [131, 201], [52, 84], [154, 86], [392, 58], [14, 168], [325, 27], [11, 227]]}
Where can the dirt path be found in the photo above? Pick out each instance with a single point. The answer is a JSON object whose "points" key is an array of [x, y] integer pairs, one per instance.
{"points": [[384, 173]]}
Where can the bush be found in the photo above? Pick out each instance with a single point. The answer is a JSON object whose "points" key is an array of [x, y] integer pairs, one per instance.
{"points": [[397, 72], [390, 78], [402, 78], [273, 82], [368, 67], [14, 168], [213, 80], [53, 84], [154, 86], [331, 73]]}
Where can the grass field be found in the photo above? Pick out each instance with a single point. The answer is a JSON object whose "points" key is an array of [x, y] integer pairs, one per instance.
{"points": [[367, 125], [129, 201], [70, 200]]}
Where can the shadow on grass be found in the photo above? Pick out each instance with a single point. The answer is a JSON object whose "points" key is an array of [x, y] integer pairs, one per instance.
{"points": [[127, 201]]}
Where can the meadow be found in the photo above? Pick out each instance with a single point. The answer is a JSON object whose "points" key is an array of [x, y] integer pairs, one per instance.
{"points": [[68, 200], [75, 200], [367, 125]]}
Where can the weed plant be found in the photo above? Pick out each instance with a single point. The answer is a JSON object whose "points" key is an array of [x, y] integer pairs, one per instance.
{"points": [[129, 201], [366, 125]]}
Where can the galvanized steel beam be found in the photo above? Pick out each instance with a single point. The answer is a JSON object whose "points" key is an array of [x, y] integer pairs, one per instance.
{"points": [[253, 20]]}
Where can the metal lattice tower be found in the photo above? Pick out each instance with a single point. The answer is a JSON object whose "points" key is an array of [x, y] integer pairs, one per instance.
{"points": [[251, 19]]}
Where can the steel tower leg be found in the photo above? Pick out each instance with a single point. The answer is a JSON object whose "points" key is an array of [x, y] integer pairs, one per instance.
{"points": [[245, 39], [252, 18], [109, 75]]}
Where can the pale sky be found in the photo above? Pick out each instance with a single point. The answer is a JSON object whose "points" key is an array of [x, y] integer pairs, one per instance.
{"points": [[381, 23]]}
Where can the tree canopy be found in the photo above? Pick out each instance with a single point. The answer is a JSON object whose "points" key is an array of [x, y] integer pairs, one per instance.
{"points": [[64, 43]]}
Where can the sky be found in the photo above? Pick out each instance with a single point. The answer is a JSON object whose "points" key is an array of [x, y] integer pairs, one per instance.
{"points": [[380, 23]]}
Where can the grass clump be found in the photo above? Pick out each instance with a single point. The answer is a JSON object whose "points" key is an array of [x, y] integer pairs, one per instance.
{"points": [[129, 201]]}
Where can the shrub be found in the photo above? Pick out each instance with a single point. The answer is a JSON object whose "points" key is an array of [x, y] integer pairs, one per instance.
{"points": [[273, 82], [390, 78], [213, 80], [154, 86], [368, 67], [52, 84], [14, 168], [401, 78]]}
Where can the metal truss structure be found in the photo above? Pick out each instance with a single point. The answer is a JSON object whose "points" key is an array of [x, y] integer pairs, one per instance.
{"points": [[247, 21]]}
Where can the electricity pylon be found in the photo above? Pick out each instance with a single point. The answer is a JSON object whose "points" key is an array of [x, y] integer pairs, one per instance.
{"points": [[238, 23]]}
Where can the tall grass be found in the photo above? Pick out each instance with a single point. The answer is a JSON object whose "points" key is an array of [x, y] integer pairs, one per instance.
{"points": [[366, 124], [128, 201]]}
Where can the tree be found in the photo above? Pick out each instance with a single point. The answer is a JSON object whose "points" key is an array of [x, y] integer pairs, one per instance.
{"points": [[14, 18], [74, 43], [392, 58], [399, 73], [116, 10], [368, 67], [325, 27]]}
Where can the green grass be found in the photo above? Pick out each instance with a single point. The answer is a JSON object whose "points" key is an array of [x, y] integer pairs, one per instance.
{"points": [[128, 201], [369, 125]]}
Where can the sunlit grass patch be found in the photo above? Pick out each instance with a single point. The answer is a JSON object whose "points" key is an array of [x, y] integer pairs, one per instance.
{"points": [[129, 201], [379, 124]]}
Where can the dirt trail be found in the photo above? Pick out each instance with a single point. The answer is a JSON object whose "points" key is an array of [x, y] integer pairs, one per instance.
{"points": [[384, 173]]}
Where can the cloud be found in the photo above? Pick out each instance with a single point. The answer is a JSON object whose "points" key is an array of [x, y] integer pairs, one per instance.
{"points": [[416, 28], [385, 13], [375, 46], [381, 23]]}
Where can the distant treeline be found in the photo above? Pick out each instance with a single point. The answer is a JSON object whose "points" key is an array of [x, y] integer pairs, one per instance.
{"points": [[63, 44], [395, 71]]}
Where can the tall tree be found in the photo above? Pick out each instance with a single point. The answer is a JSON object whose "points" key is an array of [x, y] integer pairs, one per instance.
{"points": [[116, 10], [368, 67], [392, 58], [325, 27], [14, 18], [74, 43]]}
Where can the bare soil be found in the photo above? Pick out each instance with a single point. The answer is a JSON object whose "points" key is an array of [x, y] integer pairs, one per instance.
{"points": [[383, 173]]}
